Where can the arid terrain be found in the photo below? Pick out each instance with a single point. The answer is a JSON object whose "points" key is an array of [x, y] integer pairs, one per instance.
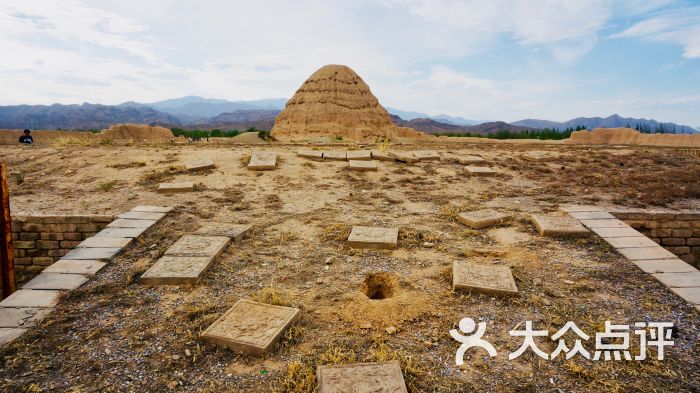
{"points": [[114, 334]]}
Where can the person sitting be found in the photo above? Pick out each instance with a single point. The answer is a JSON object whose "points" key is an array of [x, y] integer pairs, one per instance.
{"points": [[26, 139]]}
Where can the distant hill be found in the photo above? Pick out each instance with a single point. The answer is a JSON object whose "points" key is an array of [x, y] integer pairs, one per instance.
{"points": [[193, 108], [607, 122], [442, 118], [261, 119], [431, 126]]}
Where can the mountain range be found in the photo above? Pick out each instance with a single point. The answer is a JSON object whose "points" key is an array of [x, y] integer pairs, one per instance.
{"points": [[194, 112]]}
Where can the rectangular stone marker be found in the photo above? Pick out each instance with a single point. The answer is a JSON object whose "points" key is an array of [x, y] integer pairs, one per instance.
{"points": [[402, 156], [312, 154], [616, 232], [483, 218], [234, 231], [199, 165], [359, 155], [105, 242], [629, 242], [120, 232], [55, 281], [489, 279], [427, 155], [639, 253], [373, 237], [560, 226], [170, 188], [69, 266], [539, 156], [251, 327], [128, 223], [382, 156], [579, 208], [263, 161], [172, 270], [679, 280], [152, 209], [198, 246], [7, 335], [93, 253], [21, 317], [479, 171], [610, 223], [335, 155], [384, 377], [664, 266], [31, 298], [362, 166], [137, 215], [470, 160], [591, 215], [691, 295]]}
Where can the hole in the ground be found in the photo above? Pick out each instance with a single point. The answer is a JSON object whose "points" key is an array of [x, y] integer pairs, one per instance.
{"points": [[379, 286]]}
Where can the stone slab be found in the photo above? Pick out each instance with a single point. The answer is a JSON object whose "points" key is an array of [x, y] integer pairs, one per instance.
{"points": [[384, 377], [335, 155], [382, 156], [483, 218], [88, 266], [308, 153], [93, 253], [664, 266], [31, 299], [609, 223], [427, 155], [172, 270], [616, 232], [559, 226], [630, 242], [640, 253], [478, 171], [359, 155], [591, 215], [7, 335], [153, 209], [373, 237], [22, 317], [120, 232], [105, 242], [129, 223], [691, 295], [251, 327], [579, 208], [198, 246], [234, 231], [362, 166], [470, 160], [679, 280], [488, 279], [137, 215], [170, 188], [199, 165], [539, 156], [263, 161], [403, 156], [59, 281]]}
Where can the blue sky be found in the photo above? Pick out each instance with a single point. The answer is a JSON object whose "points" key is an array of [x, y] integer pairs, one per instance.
{"points": [[480, 59]]}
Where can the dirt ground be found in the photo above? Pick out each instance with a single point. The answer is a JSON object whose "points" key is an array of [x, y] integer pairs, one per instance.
{"points": [[113, 334]]}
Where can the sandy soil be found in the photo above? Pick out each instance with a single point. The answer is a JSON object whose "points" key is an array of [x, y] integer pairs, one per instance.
{"points": [[114, 334]]}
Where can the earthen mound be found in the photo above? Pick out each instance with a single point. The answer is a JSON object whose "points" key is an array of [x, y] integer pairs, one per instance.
{"points": [[137, 133], [628, 136]]}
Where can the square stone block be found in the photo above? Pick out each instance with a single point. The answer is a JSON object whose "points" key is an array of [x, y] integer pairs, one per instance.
{"points": [[359, 155], [629, 242], [251, 327], [640, 253], [591, 215], [129, 223], [137, 215], [335, 155], [22, 317], [489, 279], [691, 295], [105, 242], [263, 161], [362, 166], [559, 226], [403, 156], [382, 156], [120, 232], [171, 270], [664, 266], [87, 266], [384, 377], [312, 154], [479, 171], [470, 160], [152, 209], [55, 281], [483, 218], [604, 223], [679, 280], [93, 253], [234, 231], [373, 237], [31, 299], [198, 246], [169, 188], [427, 155], [579, 208], [616, 232], [199, 165], [7, 335], [539, 156]]}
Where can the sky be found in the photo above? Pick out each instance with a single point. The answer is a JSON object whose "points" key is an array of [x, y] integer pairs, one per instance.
{"points": [[479, 59]]}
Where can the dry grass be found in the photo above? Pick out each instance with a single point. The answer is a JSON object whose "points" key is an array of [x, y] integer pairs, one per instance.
{"points": [[132, 164]]}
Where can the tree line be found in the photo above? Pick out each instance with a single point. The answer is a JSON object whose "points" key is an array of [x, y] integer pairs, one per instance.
{"points": [[545, 133]]}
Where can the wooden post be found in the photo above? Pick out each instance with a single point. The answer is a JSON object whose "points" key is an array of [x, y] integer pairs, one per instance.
{"points": [[7, 264]]}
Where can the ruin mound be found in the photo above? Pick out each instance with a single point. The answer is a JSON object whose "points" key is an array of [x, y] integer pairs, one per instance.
{"points": [[628, 136], [336, 102], [137, 133]]}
